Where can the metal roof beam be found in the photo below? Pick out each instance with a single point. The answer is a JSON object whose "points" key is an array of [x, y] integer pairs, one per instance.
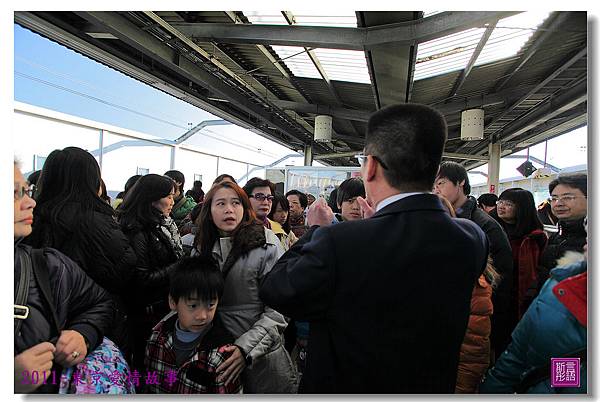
{"points": [[446, 109], [467, 70], [341, 113], [562, 16], [405, 33]]}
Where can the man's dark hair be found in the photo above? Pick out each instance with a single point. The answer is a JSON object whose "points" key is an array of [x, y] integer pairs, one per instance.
{"points": [[178, 177], [198, 277], [455, 172], [487, 199], [575, 180], [409, 139], [301, 196], [350, 188], [258, 182], [332, 201]]}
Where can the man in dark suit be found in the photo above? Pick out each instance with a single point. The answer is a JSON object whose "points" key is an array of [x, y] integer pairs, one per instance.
{"points": [[388, 297]]}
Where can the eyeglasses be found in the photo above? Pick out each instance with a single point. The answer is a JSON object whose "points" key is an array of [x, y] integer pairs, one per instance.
{"points": [[362, 158], [440, 183], [564, 198], [506, 203], [261, 197], [20, 192]]}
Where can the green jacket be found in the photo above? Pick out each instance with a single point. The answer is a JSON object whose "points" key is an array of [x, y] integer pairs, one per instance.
{"points": [[182, 208]]}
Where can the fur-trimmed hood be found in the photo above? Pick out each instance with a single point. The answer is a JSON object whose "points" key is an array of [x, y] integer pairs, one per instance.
{"points": [[570, 257]]}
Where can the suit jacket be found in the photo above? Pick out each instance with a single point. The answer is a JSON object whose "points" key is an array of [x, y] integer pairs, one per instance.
{"points": [[387, 298]]}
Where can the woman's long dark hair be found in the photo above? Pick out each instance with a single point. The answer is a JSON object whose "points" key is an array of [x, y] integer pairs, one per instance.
{"points": [[282, 200], [136, 211], [67, 188], [208, 233], [526, 216]]}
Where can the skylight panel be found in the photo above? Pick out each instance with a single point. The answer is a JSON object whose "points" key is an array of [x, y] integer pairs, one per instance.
{"points": [[510, 35], [344, 65], [447, 54], [265, 17], [341, 65], [299, 63], [347, 19]]}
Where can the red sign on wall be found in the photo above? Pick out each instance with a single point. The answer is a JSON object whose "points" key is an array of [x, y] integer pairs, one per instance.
{"points": [[492, 189]]}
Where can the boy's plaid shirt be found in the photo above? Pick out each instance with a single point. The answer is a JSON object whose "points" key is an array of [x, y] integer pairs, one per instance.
{"points": [[197, 375]]}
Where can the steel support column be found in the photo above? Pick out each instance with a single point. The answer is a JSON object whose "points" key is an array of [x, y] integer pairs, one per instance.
{"points": [[308, 156], [494, 168]]}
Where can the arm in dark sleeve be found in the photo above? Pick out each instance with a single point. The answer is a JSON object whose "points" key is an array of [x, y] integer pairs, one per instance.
{"points": [[114, 258], [501, 253], [148, 279], [300, 285], [89, 307]]}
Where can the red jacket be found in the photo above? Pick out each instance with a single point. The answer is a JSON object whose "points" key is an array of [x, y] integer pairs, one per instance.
{"points": [[526, 255], [475, 349]]}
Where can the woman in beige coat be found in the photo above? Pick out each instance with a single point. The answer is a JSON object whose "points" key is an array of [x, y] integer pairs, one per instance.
{"points": [[246, 251]]}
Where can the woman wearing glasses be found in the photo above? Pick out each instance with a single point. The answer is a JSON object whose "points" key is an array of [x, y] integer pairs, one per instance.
{"points": [[83, 309], [518, 216], [246, 251]]}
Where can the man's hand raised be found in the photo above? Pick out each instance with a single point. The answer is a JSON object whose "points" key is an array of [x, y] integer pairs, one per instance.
{"points": [[319, 213]]}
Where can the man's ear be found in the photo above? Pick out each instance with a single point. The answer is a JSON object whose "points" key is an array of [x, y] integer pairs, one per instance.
{"points": [[172, 304], [371, 168], [462, 184]]}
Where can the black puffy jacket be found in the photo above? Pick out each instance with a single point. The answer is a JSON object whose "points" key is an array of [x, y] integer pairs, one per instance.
{"points": [[81, 305], [150, 279], [571, 236], [100, 248]]}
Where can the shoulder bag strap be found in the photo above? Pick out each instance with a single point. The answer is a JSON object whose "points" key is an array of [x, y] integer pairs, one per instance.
{"points": [[40, 271], [21, 311]]}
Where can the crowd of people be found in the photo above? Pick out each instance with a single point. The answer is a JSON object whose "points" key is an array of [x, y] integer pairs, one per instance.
{"points": [[400, 282]]}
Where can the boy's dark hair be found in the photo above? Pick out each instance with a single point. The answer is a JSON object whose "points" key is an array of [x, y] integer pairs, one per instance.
{"points": [[408, 139], [350, 188], [301, 196], [575, 180], [178, 177], [487, 199], [455, 172], [258, 182], [198, 277]]}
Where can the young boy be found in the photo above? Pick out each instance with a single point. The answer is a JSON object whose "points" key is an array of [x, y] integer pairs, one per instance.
{"points": [[185, 347]]}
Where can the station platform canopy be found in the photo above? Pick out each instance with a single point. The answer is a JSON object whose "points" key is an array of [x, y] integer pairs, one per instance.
{"points": [[276, 72]]}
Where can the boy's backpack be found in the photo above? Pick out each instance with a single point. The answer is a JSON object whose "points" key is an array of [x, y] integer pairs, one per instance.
{"points": [[104, 371]]}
